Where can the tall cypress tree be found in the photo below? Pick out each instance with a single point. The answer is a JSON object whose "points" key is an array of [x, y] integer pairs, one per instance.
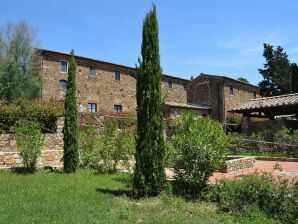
{"points": [[149, 175], [71, 155], [294, 78]]}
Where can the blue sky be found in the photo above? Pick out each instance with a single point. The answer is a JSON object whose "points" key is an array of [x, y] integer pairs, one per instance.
{"points": [[215, 36]]}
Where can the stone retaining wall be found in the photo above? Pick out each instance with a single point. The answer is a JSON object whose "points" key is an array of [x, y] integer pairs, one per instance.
{"points": [[51, 156], [238, 164]]}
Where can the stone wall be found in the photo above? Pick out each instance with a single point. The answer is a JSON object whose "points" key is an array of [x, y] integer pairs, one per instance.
{"points": [[102, 88], [51, 156], [237, 164], [242, 93]]}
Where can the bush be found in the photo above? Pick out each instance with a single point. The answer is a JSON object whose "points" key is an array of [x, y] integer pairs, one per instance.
{"points": [[29, 140], [283, 135], [260, 137], [115, 146], [233, 118], [200, 145], [45, 113], [295, 137], [236, 141], [88, 147], [278, 199]]}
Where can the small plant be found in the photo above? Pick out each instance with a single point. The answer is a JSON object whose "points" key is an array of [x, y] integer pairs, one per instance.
{"points": [[236, 141], [115, 146], [88, 147], [259, 137], [277, 198], [29, 140], [277, 166], [200, 145], [233, 118]]}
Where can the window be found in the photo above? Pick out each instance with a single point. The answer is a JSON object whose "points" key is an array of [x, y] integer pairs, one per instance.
{"points": [[92, 107], [117, 75], [255, 94], [63, 66], [185, 87], [63, 85], [170, 84], [231, 90], [92, 71], [117, 108]]}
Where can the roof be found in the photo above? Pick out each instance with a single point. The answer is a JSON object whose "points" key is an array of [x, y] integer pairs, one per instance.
{"points": [[189, 106], [287, 102], [226, 78], [104, 62]]}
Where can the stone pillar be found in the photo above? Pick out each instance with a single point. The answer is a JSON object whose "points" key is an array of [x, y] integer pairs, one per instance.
{"points": [[245, 124]]}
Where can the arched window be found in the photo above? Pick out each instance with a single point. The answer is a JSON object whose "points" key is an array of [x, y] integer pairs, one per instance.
{"points": [[63, 85]]}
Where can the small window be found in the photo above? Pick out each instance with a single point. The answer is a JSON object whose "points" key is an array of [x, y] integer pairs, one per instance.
{"points": [[170, 84], [117, 75], [117, 108], [255, 94], [92, 107], [92, 71], [231, 90], [185, 87], [63, 85], [63, 66]]}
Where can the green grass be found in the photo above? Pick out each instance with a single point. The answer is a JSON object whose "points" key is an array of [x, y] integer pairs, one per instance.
{"points": [[270, 154], [49, 197]]}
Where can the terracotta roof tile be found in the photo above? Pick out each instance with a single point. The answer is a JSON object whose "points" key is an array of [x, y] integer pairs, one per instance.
{"points": [[275, 101], [184, 105]]}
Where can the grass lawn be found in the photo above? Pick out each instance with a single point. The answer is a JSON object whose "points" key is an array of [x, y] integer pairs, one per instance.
{"points": [[49, 197]]}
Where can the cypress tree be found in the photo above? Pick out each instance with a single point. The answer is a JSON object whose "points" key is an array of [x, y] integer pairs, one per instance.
{"points": [[71, 155], [149, 175]]}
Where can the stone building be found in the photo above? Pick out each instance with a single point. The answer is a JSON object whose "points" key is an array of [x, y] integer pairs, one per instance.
{"points": [[220, 93], [111, 88], [106, 87]]}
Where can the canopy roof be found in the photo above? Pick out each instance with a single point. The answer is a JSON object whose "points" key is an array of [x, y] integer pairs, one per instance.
{"points": [[270, 106], [189, 106]]}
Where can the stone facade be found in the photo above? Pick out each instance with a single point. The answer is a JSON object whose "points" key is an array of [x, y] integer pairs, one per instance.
{"points": [[105, 92], [51, 156], [221, 93], [101, 88]]}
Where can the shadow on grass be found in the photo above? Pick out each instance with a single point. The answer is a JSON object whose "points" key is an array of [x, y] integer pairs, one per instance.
{"points": [[24, 171], [117, 193], [127, 181]]}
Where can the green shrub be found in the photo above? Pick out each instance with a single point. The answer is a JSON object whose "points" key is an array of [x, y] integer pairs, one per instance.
{"points": [[233, 118], [278, 199], [115, 146], [283, 135], [29, 140], [88, 147], [236, 140], [259, 137], [45, 113], [295, 137], [200, 145]]}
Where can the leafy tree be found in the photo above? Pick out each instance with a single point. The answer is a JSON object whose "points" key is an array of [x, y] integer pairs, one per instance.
{"points": [[29, 140], [71, 155], [243, 80], [276, 73], [20, 74], [149, 175]]}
